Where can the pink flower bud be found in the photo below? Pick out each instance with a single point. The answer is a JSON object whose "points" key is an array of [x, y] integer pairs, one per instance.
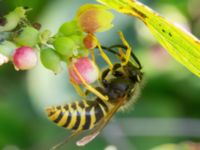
{"points": [[87, 69], [3, 59], [24, 58]]}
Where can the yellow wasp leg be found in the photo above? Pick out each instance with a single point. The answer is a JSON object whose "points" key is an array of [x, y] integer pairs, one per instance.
{"points": [[89, 87], [92, 54], [122, 55], [128, 51], [90, 35], [93, 57], [103, 54], [77, 88]]}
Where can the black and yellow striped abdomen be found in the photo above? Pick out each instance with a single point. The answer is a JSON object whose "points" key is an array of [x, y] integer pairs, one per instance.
{"points": [[78, 116]]}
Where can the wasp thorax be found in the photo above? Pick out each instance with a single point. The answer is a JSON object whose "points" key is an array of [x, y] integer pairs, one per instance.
{"points": [[118, 88]]}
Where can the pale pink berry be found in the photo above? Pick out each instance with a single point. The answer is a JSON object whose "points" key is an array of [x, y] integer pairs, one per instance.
{"points": [[24, 58], [86, 68], [3, 59]]}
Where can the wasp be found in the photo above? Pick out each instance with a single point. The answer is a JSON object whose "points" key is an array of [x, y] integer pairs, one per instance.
{"points": [[120, 83]]}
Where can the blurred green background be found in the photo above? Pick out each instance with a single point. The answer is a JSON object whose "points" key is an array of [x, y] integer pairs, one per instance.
{"points": [[167, 110]]}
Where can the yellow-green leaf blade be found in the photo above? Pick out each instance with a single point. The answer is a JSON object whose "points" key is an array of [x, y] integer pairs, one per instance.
{"points": [[180, 44], [184, 47]]}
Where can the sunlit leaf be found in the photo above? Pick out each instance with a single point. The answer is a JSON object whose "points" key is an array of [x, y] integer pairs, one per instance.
{"points": [[183, 46]]}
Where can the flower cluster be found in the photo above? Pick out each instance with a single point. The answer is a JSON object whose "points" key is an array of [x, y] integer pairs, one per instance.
{"points": [[21, 42], [18, 43]]}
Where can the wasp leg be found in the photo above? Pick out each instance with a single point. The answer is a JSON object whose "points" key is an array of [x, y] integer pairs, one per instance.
{"points": [[89, 87], [110, 49], [93, 58], [92, 54], [57, 146], [121, 54], [77, 88], [103, 54], [90, 35], [128, 51], [100, 89]]}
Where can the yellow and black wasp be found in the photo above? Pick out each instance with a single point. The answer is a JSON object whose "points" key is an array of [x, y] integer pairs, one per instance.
{"points": [[120, 83]]}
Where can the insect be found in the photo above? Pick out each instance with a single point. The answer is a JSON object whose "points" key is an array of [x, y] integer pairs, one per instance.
{"points": [[120, 83]]}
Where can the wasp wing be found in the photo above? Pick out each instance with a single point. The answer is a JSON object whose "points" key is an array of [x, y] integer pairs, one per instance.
{"points": [[102, 123]]}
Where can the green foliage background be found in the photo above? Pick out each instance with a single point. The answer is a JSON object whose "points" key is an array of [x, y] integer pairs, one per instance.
{"points": [[170, 91]]}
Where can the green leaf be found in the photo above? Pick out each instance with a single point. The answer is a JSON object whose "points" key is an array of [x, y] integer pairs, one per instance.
{"points": [[183, 46]]}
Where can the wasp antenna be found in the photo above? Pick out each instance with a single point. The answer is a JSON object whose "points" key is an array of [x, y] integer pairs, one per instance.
{"points": [[136, 60], [110, 49]]}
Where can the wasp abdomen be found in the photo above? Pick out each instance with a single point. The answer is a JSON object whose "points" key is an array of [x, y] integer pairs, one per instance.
{"points": [[81, 115]]}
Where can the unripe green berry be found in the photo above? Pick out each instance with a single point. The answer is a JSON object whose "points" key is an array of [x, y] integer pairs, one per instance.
{"points": [[83, 52], [51, 60], [65, 46], [69, 28], [27, 37], [7, 48], [77, 38]]}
